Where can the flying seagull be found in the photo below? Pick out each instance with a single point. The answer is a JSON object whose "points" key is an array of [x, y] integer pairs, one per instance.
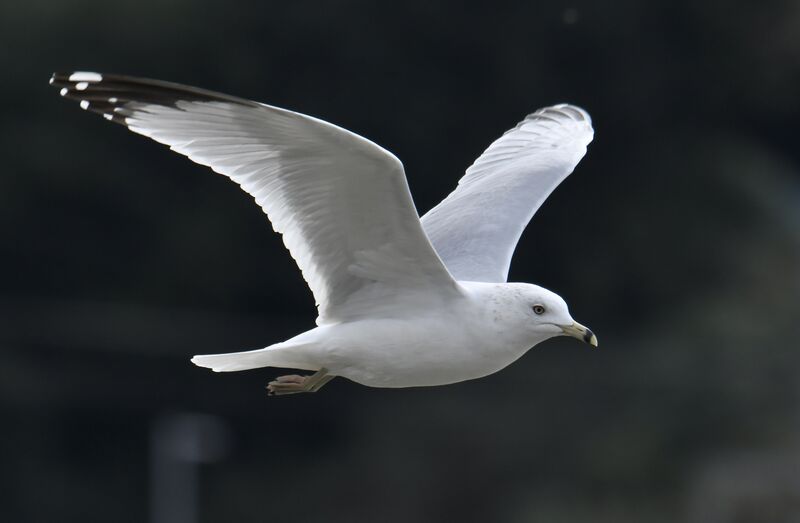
{"points": [[402, 301]]}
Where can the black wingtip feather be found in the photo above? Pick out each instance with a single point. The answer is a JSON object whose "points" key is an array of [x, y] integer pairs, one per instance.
{"points": [[115, 96]]}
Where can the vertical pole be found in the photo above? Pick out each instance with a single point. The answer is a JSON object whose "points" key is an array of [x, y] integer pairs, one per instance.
{"points": [[179, 443]]}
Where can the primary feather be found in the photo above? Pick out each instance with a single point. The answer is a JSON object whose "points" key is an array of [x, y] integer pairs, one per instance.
{"points": [[340, 201]]}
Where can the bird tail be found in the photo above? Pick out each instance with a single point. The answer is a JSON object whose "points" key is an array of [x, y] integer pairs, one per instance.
{"points": [[284, 355]]}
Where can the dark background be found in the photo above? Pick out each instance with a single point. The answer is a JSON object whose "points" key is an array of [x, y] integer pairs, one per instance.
{"points": [[677, 239]]}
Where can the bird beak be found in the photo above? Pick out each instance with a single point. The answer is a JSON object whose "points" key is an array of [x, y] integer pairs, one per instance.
{"points": [[576, 330]]}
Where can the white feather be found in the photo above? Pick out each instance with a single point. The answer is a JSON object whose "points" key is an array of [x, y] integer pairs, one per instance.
{"points": [[341, 202], [476, 228]]}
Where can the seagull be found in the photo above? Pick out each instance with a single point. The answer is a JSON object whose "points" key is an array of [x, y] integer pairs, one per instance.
{"points": [[402, 301]]}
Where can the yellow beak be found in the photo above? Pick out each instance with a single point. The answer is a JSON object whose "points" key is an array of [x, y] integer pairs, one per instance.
{"points": [[576, 330]]}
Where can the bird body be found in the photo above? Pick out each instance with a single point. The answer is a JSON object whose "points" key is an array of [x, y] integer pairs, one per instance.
{"points": [[402, 300], [416, 345]]}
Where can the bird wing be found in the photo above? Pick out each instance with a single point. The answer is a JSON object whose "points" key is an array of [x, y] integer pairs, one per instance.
{"points": [[476, 228], [341, 202]]}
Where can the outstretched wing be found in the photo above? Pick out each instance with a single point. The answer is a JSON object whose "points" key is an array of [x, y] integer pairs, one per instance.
{"points": [[341, 202], [476, 228]]}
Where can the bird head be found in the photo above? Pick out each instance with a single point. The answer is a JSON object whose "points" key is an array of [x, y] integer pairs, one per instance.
{"points": [[547, 315]]}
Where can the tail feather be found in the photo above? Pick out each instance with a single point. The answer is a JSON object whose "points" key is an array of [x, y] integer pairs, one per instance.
{"points": [[273, 356]]}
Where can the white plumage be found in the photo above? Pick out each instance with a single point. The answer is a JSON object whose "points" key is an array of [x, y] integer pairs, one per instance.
{"points": [[341, 202], [476, 228], [401, 302]]}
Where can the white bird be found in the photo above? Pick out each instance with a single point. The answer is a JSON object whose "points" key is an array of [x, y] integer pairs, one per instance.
{"points": [[402, 301]]}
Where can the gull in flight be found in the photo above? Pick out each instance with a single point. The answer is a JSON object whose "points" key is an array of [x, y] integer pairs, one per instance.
{"points": [[402, 301]]}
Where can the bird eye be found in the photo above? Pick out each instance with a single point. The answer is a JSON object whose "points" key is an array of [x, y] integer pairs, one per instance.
{"points": [[538, 309]]}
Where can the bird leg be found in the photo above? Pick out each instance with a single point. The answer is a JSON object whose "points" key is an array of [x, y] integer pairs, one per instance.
{"points": [[293, 383]]}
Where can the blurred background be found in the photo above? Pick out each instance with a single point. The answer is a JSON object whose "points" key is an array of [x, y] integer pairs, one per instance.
{"points": [[677, 240]]}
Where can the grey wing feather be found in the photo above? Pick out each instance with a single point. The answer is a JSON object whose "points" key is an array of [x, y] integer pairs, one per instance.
{"points": [[340, 201], [476, 228]]}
